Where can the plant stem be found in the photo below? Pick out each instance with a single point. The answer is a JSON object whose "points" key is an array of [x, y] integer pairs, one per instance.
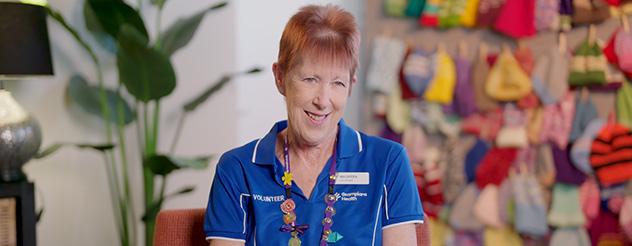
{"points": [[128, 200], [174, 143], [148, 176], [114, 196]]}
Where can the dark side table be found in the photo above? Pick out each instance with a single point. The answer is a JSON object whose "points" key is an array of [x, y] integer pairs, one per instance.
{"points": [[23, 193]]}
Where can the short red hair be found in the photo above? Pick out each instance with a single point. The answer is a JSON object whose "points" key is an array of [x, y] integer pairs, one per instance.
{"points": [[326, 32]]}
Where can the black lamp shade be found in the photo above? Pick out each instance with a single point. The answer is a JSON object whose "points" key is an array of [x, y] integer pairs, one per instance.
{"points": [[24, 45]]}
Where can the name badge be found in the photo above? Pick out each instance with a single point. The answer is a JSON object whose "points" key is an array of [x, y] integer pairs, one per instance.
{"points": [[352, 178]]}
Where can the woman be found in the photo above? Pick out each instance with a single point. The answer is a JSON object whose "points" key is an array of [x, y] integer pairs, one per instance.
{"points": [[313, 170]]}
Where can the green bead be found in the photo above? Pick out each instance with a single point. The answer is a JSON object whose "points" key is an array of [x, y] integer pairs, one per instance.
{"points": [[294, 242]]}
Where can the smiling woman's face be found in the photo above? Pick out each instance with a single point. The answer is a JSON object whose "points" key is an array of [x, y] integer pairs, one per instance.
{"points": [[316, 93]]}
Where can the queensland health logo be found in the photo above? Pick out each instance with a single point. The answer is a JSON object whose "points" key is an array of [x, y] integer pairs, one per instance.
{"points": [[350, 196]]}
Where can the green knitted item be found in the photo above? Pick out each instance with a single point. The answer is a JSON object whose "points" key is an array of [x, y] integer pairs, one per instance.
{"points": [[590, 70], [624, 104], [395, 8], [415, 7]]}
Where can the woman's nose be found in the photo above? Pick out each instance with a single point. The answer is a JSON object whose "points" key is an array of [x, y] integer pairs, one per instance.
{"points": [[323, 96]]}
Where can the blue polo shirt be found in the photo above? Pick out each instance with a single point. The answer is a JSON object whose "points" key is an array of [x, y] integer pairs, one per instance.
{"points": [[375, 190]]}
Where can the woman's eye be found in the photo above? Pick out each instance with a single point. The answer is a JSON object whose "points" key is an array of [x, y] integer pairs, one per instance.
{"points": [[309, 79], [340, 83]]}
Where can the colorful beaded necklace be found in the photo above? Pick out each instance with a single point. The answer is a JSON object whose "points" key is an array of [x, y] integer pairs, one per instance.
{"points": [[288, 206]]}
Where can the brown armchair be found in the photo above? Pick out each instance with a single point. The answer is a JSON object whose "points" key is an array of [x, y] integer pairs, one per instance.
{"points": [[184, 227]]}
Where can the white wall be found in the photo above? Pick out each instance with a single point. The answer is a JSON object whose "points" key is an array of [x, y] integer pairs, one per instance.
{"points": [[72, 183]]}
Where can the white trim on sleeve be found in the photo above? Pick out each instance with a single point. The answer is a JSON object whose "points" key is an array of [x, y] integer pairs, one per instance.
{"points": [[377, 218], [359, 141], [227, 239], [403, 223]]}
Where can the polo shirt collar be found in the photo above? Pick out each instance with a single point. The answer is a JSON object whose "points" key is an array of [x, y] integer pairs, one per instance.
{"points": [[349, 143]]}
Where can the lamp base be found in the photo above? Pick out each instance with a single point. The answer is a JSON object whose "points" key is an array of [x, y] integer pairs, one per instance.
{"points": [[20, 138]]}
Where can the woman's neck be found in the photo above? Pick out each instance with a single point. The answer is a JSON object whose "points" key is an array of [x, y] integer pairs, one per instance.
{"points": [[313, 155]]}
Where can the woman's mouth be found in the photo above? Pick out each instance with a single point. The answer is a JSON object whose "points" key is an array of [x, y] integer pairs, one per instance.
{"points": [[316, 118]]}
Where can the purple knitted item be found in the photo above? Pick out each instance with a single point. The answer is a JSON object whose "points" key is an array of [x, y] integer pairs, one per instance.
{"points": [[565, 171]]}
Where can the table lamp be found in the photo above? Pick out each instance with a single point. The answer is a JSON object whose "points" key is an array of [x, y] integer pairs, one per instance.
{"points": [[24, 53]]}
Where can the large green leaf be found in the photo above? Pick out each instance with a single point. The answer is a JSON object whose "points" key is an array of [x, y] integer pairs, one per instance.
{"points": [[180, 33], [212, 89], [92, 24], [160, 164], [163, 165], [193, 163], [56, 146], [88, 99], [146, 73], [112, 15]]}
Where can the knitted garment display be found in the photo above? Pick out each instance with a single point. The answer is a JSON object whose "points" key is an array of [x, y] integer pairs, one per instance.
{"points": [[611, 156], [463, 103], [588, 65], [468, 16], [547, 16], [386, 58], [488, 10], [395, 7], [516, 18], [589, 11], [507, 81], [550, 76], [624, 104], [441, 87], [430, 15], [414, 8]]}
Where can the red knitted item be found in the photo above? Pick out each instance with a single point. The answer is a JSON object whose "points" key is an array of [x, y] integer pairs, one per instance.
{"points": [[494, 167]]}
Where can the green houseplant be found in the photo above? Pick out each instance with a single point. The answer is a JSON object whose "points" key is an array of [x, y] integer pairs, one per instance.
{"points": [[145, 74]]}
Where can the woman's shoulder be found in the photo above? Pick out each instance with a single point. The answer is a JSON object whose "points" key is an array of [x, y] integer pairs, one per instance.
{"points": [[239, 154], [379, 142]]}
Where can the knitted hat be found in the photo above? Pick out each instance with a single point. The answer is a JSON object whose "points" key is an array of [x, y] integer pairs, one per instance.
{"points": [[530, 207], [487, 206], [441, 87], [517, 18], [430, 15], [462, 213], [480, 70], [547, 16], [605, 230], [609, 53], [565, 171], [550, 77], [468, 16], [589, 198], [585, 112], [473, 159], [610, 156], [488, 10], [494, 167], [414, 8], [418, 70], [534, 124], [557, 121], [565, 210], [386, 59], [454, 179], [580, 152], [506, 80], [625, 217], [398, 112], [395, 7], [589, 11], [439, 231], [623, 49], [624, 104], [570, 236], [514, 133], [485, 125], [588, 65], [450, 13], [463, 103], [501, 236]]}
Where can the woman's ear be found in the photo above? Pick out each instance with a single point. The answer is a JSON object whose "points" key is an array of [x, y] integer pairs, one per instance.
{"points": [[278, 78]]}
